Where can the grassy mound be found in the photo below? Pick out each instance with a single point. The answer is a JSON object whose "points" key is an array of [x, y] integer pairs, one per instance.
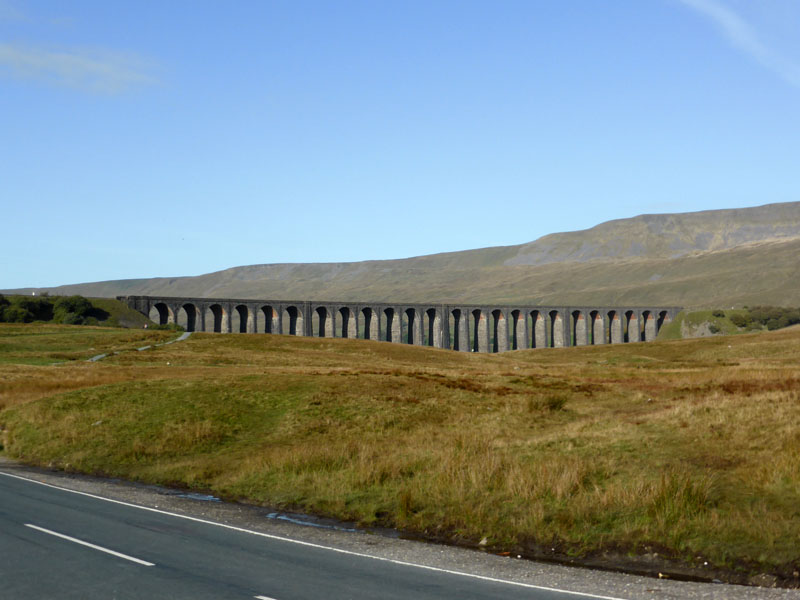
{"points": [[687, 448]]}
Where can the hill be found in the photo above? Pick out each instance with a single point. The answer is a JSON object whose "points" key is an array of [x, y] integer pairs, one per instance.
{"points": [[710, 258]]}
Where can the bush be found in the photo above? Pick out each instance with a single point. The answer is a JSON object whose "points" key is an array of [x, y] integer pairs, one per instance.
{"points": [[39, 309], [741, 319], [771, 317], [71, 319], [72, 310], [718, 313], [16, 314], [714, 328]]}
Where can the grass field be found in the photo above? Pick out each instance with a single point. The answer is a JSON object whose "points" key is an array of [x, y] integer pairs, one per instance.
{"points": [[689, 449]]}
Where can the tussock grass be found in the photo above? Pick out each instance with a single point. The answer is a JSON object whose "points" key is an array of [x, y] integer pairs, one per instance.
{"points": [[688, 447]]}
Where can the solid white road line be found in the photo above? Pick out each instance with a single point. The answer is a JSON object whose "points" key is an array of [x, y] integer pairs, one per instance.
{"points": [[263, 598], [319, 546], [96, 547]]}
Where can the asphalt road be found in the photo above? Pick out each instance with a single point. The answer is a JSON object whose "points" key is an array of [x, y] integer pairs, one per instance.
{"points": [[56, 543], [74, 536]]}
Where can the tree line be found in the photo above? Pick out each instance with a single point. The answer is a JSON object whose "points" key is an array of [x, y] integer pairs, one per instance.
{"points": [[69, 310], [771, 317]]}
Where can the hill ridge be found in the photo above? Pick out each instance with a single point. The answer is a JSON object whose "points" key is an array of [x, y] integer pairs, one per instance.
{"points": [[703, 258]]}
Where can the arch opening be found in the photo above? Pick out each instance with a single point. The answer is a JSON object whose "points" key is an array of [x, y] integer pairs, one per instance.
{"points": [[268, 316], [433, 328], [648, 326], [188, 317], [161, 313], [499, 331], [556, 323], [413, 330], [348, 323], [663, 319], [538, 329], [292, 321], [216, 318], [579, 333], [241, 319], [371, 324]]}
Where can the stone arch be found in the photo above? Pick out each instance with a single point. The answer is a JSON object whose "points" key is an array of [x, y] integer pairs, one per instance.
{"points": [[392, 326], [596, 328], [349, 327], [615, 329], [216, 318], [460, 330], [480, 331], [413, 327], [188, 317], [499, 331], [631, 324], [519, 329], [433, 328], [372, 325], [270, 318], [242, 319], [322, 322], [556, 329], [663, 319], [161, 313], [648, 326], [579, 335], [293, 321], [538, 329]]}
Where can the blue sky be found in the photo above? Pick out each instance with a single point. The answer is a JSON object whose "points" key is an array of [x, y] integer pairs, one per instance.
{"points": [[151, 138]]}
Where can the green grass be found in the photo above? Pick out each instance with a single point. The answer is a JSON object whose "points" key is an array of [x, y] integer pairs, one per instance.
{"points": [[45, 344], [701, 322], [120, 314], [689, 447]]}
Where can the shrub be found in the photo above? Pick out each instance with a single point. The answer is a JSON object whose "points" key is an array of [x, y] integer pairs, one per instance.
{"points": [[72, 310], [741, 319], [16, 314], [719, 313], [71, 319], [39, 309], [775, 317]]}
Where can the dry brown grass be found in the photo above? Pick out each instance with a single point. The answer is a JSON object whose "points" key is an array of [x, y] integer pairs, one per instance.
{"points": [[691, 447]]}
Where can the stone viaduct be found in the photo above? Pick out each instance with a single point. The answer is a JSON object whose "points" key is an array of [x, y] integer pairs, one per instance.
{"points": [[462, 327]]}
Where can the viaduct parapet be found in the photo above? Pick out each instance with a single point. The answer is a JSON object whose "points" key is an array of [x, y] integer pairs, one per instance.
{"points": [[462, 327]]}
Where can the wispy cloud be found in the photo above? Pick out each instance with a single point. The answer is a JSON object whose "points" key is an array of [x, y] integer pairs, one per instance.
{"points": [[96, 71], [744, 37]]}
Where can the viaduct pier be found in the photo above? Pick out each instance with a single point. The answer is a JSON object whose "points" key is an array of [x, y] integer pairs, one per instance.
{"points": [[461, 327]]}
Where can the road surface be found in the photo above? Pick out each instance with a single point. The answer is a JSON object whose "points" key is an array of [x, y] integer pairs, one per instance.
{"points": [[65, 543]]}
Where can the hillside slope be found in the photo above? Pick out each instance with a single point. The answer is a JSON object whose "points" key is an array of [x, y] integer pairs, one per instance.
{"points": [[724, 257]]}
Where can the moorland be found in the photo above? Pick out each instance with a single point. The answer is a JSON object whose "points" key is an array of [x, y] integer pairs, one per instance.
{"points": [[676, 456]]}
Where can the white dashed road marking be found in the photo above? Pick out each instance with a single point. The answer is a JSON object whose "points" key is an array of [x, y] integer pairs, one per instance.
{"points": [[94, 546]]}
